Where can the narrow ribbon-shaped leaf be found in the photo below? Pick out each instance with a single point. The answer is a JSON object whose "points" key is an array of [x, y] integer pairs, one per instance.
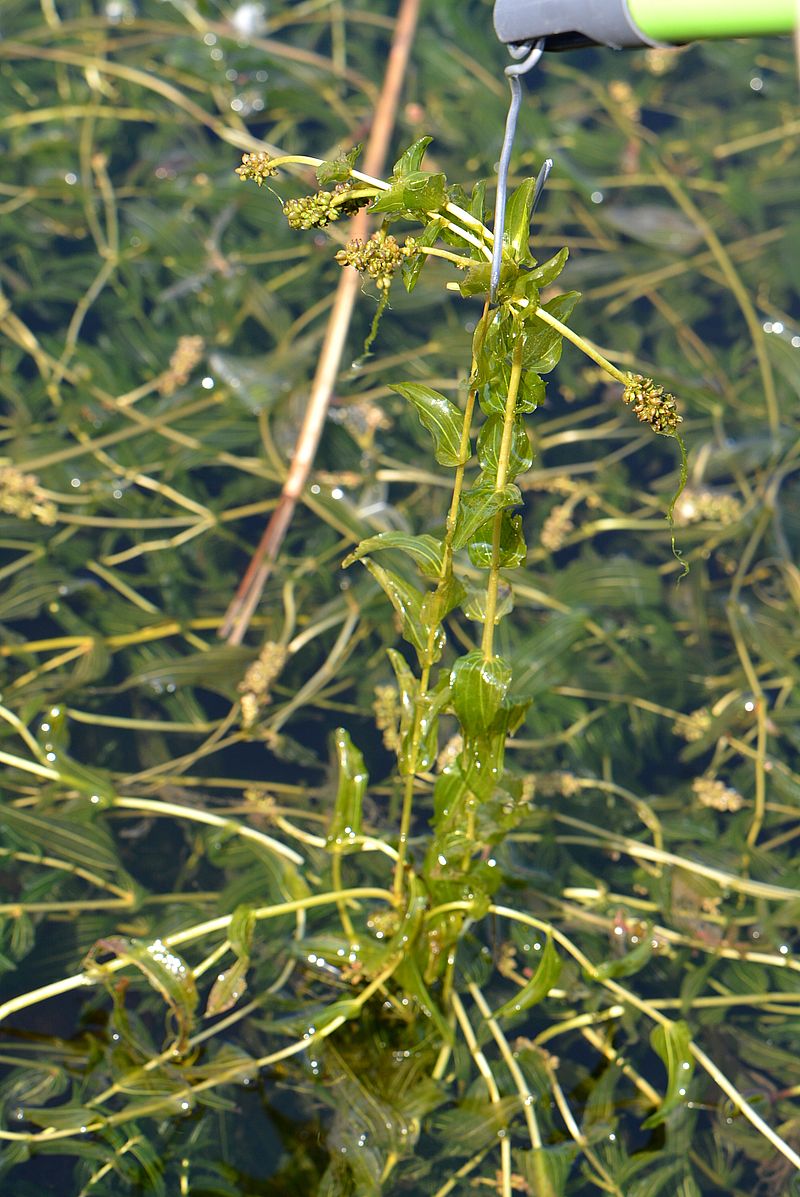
{"points": [[672, 1042], [353, 777], [479, 686], [478, 505], [426, 550], [82, 843], [442, 419], [547, 973]]}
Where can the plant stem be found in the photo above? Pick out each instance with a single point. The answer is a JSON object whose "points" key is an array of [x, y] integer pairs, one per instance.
{"points": [[482, 1064], [487, 643], [584, 345], [446, 571]]}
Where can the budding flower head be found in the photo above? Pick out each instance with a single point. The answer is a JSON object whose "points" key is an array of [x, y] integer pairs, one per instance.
{"points": [[256, 166], [652, 404], [379, 257]]}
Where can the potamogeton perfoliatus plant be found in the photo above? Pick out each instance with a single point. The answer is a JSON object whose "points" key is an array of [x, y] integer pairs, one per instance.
{"points": [[517, 341]]}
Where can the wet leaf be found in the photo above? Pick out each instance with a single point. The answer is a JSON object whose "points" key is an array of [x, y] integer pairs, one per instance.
{"points": [[345, 823], [425, 550], [543, 344], [228, 988], [479, 685], [70, 839], [548, 970], [547, 272], [407, 601], [416, 194], [671, 1043], [164, 970], [442, 419], [520, 454], [478, 505], [513, 550]]}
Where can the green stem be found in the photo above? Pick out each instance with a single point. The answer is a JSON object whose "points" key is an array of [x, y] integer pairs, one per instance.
{"points": [[446, 571], [584, 345], [487, 644]]}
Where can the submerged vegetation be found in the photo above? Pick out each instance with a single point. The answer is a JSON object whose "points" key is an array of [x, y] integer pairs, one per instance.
{"points": [[486, 887]]}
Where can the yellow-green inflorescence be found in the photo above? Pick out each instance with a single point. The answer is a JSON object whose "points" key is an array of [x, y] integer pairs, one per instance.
{"points": [[315, 211], [652, 404], [379, 257], [22, 496], [257, 166]]}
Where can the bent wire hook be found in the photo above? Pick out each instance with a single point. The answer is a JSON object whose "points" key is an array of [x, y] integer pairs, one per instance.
{"points": [[531, 54]]}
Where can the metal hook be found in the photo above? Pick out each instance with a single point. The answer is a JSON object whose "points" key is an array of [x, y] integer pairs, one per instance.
{"points": [[531, 54]]}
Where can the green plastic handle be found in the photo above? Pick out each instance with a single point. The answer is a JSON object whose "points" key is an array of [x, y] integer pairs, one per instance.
{"points": [[677, 21]]}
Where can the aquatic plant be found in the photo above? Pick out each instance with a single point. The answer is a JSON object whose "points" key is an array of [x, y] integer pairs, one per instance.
{"points": [[528, 990]]}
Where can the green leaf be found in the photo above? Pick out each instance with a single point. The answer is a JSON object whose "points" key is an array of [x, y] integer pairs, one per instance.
{"points": [[425, 550], [228, 988], [543, 344], [63, 1117], [442, 419], [476, 280], [530, 393], [337, 170], [513, 549], [475, 605], [517, 231], [490, 440], [440, 602], [672, 1043], [411, 267], [407, 601], [546, 1168], [241, 929], [416, 194], [478, 505], [163, 969], [547, 272], [631, 962], [410, 160], [547, 973], [412, 707], [353, 778], [70, 839], [479, 687]]}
